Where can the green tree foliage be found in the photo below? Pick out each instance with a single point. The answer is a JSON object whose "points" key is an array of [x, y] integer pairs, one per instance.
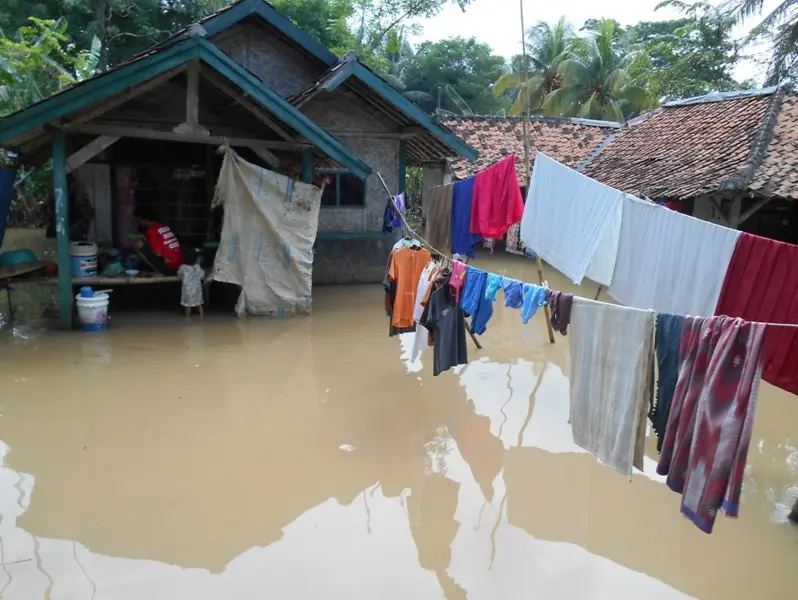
{"points": [[455, 75], [691, 56], [780, 28], [546, 46], [39, 61], [324, 20]]}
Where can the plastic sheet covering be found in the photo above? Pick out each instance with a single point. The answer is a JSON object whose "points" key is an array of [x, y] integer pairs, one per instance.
{"points": [[266, 247]]}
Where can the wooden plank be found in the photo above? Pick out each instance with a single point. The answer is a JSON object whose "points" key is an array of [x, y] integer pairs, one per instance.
{"points": [[169, 136], [61, 194], [191, 124], [265, 155], [127, 96], [89, 151], [250, 106], [750, 212]]}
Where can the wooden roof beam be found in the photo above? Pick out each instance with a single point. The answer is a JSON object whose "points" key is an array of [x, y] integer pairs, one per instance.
{"points": [[191, 124]]}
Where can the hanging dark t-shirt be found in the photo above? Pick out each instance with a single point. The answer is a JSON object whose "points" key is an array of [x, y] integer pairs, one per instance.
{"points": [[446, 319]]}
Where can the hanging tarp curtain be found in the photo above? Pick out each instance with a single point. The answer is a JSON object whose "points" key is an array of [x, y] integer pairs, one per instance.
{"points": [[268, 232]]}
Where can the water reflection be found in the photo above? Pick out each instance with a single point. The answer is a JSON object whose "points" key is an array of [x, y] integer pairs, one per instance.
{"points": [[301, 458]]}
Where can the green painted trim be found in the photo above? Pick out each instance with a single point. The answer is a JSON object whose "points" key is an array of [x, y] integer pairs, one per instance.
{"points": [[135, 73], [307, 165], [238, 12], [61, 194], [290, 115], [402, 166], [388, 93], [343, 73]]}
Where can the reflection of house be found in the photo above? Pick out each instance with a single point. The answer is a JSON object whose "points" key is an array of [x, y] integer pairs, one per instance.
{"points": [[146, 130]]}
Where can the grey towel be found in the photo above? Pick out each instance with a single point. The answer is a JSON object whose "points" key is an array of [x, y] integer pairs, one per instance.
{"points": [[560, 306], [439, 217]]}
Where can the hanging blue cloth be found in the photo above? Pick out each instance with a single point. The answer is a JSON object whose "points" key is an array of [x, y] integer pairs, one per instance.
{"points": [[513, 293], [463, 242], [474, 302], [6, 193], [534, 298], [494, 283]]}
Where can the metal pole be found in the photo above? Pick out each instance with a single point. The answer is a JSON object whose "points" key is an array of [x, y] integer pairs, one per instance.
{"points": [[525, 123]]}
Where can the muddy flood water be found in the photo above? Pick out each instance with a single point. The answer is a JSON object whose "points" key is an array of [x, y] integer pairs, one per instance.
{"points": [[306, 458]]}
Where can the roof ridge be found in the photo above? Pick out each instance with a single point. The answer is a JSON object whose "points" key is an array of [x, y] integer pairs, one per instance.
{"points": [[722, 96], [537, 119], [745, 173]]}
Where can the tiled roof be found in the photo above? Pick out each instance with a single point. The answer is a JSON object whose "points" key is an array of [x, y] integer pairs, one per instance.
{"points": [[688, 148], [777, 175], [569, 141]]}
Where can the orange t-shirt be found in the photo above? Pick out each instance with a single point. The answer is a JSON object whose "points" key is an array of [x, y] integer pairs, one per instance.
{"points": [[405, 270]]}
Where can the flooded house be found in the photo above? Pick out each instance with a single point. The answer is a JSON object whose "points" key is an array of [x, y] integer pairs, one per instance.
{"points": [[146, 131]]}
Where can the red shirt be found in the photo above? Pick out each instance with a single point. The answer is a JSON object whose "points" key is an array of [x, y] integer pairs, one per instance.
{"points": [[164, 242], [497, 202]]}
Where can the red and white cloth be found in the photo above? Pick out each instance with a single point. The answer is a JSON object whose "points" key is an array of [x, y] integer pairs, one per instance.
{"points": [[712, 414]]}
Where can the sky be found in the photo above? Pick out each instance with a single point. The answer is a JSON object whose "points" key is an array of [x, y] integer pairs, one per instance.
{"points": [[497, 22]]}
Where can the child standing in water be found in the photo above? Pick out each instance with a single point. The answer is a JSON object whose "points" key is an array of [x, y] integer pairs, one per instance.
{"points": [[191, 275]]}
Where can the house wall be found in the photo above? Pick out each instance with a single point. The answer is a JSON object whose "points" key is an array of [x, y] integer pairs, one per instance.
{"points": [[723, 209], [287, 71]]}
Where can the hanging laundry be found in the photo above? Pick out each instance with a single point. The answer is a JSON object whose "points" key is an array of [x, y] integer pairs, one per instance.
{"points": [[513, 243], [667, 344], [611, 353], [407, 263], [399, 211], [391, 219], [762, 285], [445, 319], [475, 301], [497, 203], [709, 428], [572, 222], [513, 293], [534, 298], [560, 308], [492, 288], [421, 335], [458, 278], [439, 217], [670, 262], [463, 242]]}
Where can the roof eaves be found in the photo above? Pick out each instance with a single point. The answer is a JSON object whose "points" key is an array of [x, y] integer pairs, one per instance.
{"points": [[390, 95]]}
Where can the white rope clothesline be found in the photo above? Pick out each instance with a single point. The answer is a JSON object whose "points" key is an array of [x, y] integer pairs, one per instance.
{"points": [[424, 242]]}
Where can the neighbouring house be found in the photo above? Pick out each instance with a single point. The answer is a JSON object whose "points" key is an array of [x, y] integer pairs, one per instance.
{"points": [[568, 140], [730, 158], [146, 131]]}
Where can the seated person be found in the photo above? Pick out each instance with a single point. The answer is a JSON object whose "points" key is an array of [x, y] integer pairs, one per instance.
{"points": [[159, 249]]}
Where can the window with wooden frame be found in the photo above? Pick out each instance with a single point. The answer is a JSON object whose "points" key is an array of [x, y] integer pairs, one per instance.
{"points": [[343, 189]]}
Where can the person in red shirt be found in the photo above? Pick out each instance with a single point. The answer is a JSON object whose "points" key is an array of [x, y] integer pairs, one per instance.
{"points": [[160, 249]]}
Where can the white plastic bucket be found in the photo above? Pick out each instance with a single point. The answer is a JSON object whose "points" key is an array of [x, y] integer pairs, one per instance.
{"points": [[83, 257], [92, 311]]}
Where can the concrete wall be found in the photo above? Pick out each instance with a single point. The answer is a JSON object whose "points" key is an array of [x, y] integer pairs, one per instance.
{"points": [[349, 258]]}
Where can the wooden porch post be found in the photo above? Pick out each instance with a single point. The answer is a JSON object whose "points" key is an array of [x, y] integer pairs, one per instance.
{"points": [[307, 165], [403, 167], [61, 199], [794, 513]]}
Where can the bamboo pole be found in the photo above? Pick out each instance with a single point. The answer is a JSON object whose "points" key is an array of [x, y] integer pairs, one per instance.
{"points": [[525, 125]]}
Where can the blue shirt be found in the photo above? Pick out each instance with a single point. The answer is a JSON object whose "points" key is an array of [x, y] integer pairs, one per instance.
{"points": [[463, 242], [474, 302]]}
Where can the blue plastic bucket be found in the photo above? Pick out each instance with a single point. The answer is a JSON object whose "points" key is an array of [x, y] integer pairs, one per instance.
{"points": [[83, 256]]}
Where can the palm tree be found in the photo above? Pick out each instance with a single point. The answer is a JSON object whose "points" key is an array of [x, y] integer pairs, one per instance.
{"points": [[545, 45], [780, 25], [596, 79]]}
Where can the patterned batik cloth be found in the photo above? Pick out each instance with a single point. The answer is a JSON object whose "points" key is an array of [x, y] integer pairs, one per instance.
{"points": [[712, 413]]}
